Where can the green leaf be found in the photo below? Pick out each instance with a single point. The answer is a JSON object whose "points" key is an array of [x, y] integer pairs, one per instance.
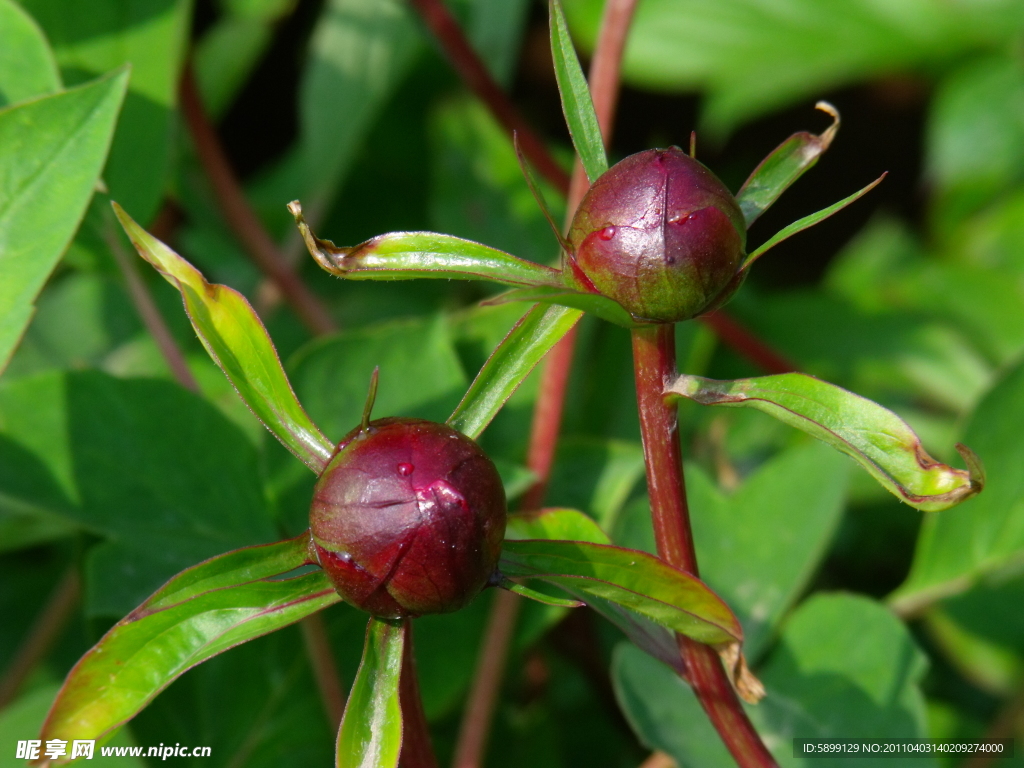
{"points": [[332, 373], [27, 66], [987, 534], [411, 255], [721, 49], [595, 303], [152, 646], [511, 362], [577, 105], [239, 344], [595, 475], [540, 597], [150, 35], [807, 222], [371, 730], [496, 30], [556, 524], [636, 580], [787, 163], [874, 437], [843, 665], [51, 152]]}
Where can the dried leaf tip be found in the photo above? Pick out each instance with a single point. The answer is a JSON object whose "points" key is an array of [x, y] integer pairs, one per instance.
{"points": [[748, 687], [829, 133]]}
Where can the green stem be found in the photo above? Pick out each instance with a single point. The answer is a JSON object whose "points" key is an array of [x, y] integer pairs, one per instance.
{"points": [[654, 361]]}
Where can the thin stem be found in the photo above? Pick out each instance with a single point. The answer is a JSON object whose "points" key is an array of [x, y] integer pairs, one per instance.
{"points": [[417, 751], [325, 669], [654, 363], [240, 216], [478, 79], [147, 309], [42, 635]]}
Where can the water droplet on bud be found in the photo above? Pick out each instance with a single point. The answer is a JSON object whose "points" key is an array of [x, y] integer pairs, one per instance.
{"points": [[405, 469], [607, 233]]}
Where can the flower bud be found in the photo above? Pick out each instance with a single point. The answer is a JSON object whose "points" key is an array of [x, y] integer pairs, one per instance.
{"points": [[408, 518], [661, 235]]}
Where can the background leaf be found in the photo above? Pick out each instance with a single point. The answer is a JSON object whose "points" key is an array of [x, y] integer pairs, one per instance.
{"points": [[27, 66], [52, 152]]}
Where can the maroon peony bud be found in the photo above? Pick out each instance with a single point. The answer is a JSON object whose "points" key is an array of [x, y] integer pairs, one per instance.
{"points": [[661, 235], [408, 518]]}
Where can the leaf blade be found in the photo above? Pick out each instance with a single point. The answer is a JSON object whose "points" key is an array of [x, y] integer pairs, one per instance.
{"points": [[511, 362], [54, 148], [577, 103], [786, 163], [371, 729], [636, 580], [148, 649], [240, 345], [412, 255], [873, 436]]}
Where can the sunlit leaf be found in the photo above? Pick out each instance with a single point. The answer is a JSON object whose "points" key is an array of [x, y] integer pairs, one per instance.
{"points": [[987, 534], [371, 730], [554, 523], [221, 607], [511, 362], [91, 38], [636, 580], [576, 102], [411, 255], [238, 342], [27, 66], [873, 436], [787, 163], [595, 303], [52, 150]]}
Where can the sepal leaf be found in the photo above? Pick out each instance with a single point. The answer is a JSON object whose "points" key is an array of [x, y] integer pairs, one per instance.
{"points": [[201, 612], [509, 364], [875, 437], [595, 303], [807, 222], [371, 729], [576, 101], [787, 163], [237, 341], [633, 579], [411, 255]]}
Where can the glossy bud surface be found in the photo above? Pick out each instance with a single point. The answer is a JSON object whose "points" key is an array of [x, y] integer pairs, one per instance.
{"points": [[408, 518], [661, 235]]}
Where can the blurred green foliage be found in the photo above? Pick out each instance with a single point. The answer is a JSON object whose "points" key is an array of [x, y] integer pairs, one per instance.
{"points": [[861, 619]]}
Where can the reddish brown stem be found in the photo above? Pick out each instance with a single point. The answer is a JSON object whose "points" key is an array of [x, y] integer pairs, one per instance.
{"points": [[654, 362], [417, 750], [147, 309], [746, 343], [42, 635], [325, 669], [478, 79], [240, 216]]}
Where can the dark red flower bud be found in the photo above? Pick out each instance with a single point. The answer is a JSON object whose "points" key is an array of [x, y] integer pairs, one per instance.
{"points": [[661, 235], [408, 518]]}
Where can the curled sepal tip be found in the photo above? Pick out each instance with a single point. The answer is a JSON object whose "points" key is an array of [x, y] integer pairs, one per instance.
{"points": [[875, 437], [411, 255], [746, 685]]}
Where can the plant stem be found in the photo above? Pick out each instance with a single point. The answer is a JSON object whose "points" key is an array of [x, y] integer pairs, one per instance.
{"points": [[474, 73], [654, 361], [417, 751], [147, 309], [41, 636], [240, 216], [325, 670]]}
